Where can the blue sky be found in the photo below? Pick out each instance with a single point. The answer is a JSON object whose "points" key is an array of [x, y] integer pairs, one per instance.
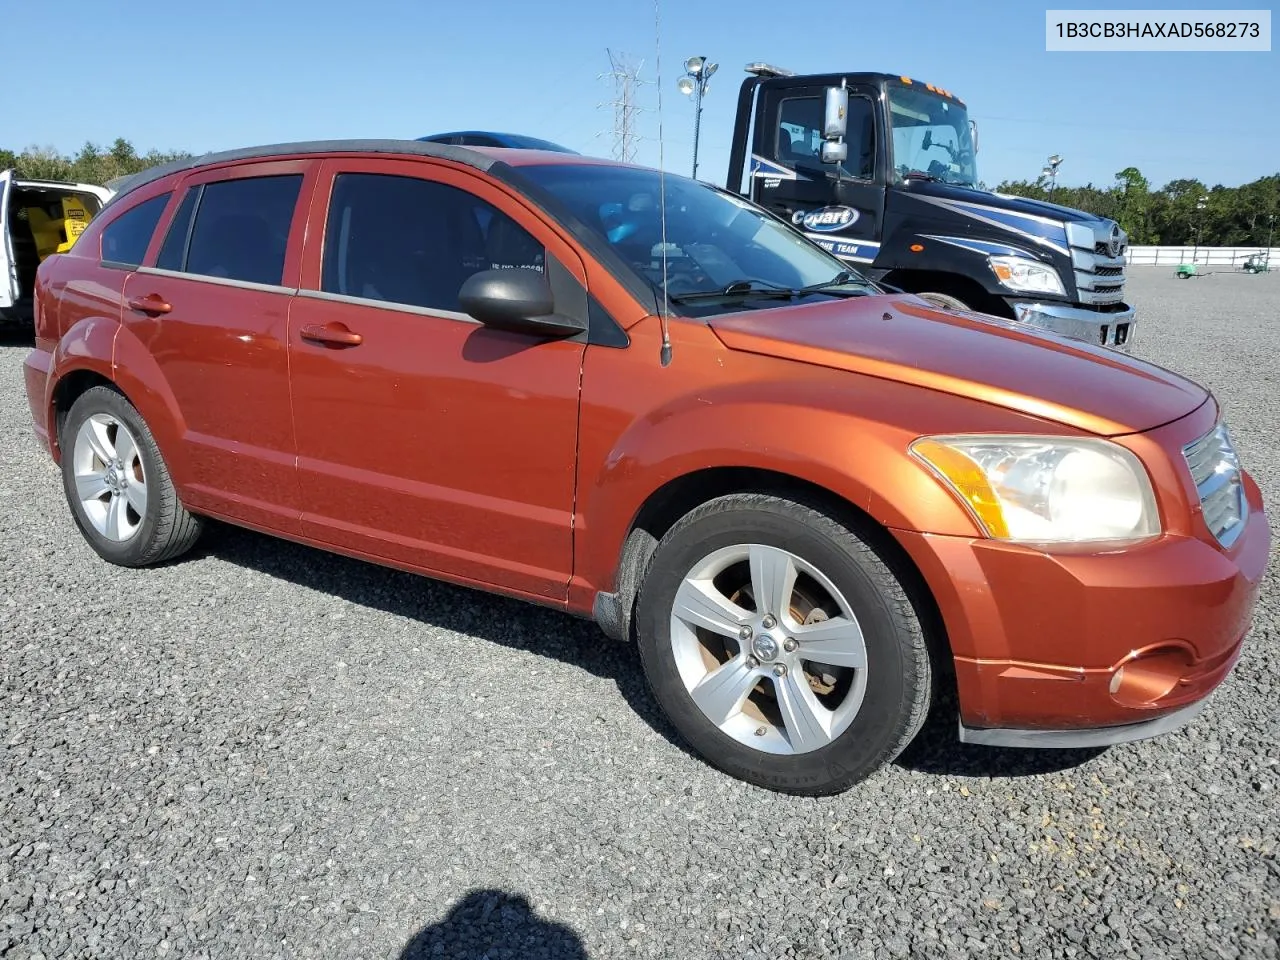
{"points": [[212, 76]]}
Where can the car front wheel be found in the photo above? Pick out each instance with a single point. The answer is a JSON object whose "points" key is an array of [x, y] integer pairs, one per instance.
{"points": [[781, 645]]}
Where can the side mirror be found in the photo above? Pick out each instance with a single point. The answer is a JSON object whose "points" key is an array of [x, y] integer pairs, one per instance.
{"points": [[834, 152], [518, 301], [835, 118], [973, 129]]}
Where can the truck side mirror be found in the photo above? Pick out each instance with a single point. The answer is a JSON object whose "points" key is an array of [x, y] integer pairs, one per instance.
{"points": [[836, 115], [834, 152], [973, 129]]}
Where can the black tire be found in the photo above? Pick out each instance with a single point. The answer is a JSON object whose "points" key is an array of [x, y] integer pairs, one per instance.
{"points": [[167, 530], [945, 301], [897, 695]]}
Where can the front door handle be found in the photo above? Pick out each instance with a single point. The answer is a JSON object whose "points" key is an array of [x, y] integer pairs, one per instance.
{"points": [[151, 303], [333, 335]]}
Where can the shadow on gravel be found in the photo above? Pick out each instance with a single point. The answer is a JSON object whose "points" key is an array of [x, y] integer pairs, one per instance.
{"points": [[15, 337], [497, 619], [938, 750], [488, 924]]}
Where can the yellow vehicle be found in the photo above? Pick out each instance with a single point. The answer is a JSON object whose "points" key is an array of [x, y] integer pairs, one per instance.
{"points": [[39, 218]]}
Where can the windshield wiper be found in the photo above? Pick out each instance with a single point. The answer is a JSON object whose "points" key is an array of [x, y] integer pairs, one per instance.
{"points": [[752, 288], [919, 175], [739, 288], [839, 280]]}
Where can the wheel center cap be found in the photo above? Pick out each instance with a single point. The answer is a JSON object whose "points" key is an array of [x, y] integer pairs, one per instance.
{"points": [[764, 647]]}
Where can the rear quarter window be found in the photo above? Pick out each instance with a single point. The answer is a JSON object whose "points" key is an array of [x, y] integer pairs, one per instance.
{"points": [[126, 238]]}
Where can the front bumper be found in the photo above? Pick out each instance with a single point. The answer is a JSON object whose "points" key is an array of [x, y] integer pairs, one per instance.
{"points": [[1114, 329], [1085, 647]]}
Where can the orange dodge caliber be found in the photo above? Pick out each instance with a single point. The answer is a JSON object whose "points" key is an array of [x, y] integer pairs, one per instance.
{"points": [[809, 501]]}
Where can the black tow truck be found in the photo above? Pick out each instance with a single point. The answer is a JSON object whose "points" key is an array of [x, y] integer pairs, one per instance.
{"points": [[881, 170]]}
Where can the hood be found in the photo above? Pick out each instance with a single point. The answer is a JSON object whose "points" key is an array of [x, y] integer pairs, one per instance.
{"points": [[1000, 201], [905, 339]]}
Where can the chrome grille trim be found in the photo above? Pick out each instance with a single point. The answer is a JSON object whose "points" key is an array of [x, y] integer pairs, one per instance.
{"points": [[1215, 470], [1099, 275]]}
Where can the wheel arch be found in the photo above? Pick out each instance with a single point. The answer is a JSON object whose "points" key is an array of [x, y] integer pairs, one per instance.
{"points": [[958, 285], [615, 612], [67, 389]]}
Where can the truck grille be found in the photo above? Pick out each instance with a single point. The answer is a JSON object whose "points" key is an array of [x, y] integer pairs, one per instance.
{"points": [[1099, 276], [1215, 468]]}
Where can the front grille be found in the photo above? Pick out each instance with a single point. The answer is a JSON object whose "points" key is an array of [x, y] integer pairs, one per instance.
{"points": [[1215, 468], [1099, 275]]}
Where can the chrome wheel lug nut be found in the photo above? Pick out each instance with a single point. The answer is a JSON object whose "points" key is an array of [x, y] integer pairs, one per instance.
{"points": [[745, 633], [780, 670], [790, 644], [770, 622], [752, 662]]}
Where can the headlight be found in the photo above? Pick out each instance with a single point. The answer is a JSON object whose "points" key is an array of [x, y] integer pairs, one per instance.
{"points": [[1046, 489], [1026, 276]]}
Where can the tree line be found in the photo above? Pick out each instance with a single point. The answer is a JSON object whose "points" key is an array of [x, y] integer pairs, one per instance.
{"points": [[92, 164], [1182, 212]]}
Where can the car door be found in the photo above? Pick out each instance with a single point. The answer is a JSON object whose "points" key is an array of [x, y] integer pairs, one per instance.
{"points": [[844, 215], [8, 263], [424, 438], [211, 307]]}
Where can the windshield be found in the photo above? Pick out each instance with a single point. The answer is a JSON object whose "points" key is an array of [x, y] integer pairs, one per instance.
{"points": [[720, 250], [931, 136]]}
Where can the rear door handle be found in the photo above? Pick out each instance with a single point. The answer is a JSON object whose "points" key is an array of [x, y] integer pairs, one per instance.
{"points": [[334, 335], [151, 303]]}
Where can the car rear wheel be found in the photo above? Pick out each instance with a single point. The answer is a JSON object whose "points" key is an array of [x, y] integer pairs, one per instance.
{"points": [[781, 645], [118, 486]]}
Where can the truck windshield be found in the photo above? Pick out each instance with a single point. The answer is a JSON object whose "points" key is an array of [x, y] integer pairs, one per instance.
{"points": [[931, 136], [720, 250]]}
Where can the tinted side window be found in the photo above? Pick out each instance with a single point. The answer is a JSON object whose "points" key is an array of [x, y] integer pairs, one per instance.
{"points": [[242, 228], [126, 238], [416, 242], [173, 252], [800, 135]]}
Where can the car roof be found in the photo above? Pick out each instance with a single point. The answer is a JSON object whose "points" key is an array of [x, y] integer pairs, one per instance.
{"points": [[480, 158], [513, 140]]}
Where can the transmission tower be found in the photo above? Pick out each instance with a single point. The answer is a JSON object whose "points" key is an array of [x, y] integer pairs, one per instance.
{"points": [[626, 77]]}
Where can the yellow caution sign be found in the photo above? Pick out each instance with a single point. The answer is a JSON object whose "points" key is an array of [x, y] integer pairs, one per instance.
{"points": [[75, 217]]}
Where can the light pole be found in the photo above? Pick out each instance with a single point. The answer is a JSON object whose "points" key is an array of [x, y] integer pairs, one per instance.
{"points": [[1051, 171], [697, 71], [1199, 225], [1271, 220]]}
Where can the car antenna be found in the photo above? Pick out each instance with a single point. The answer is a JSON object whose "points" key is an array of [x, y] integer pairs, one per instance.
{"points": [[664, 303]]}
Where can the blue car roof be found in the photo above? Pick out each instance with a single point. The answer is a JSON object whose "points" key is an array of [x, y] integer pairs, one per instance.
{"points": [[516, 140]]}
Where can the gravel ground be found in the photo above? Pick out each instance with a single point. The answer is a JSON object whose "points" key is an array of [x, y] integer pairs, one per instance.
{"points": [[265, 751]]}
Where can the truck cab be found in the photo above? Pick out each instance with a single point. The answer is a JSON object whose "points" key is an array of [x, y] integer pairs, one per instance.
{"points": [[39, 218], [882, 171]]}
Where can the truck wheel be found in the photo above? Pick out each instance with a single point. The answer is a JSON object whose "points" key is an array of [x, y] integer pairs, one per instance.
{"points": [[944, 300], [781, 646], [118, 486]]}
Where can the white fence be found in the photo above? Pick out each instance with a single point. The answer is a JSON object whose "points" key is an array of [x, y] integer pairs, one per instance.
{"points": [[1214, 256]]}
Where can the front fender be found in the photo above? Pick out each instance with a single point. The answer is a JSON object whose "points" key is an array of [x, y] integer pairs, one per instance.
{"points": [[804, 430]]}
